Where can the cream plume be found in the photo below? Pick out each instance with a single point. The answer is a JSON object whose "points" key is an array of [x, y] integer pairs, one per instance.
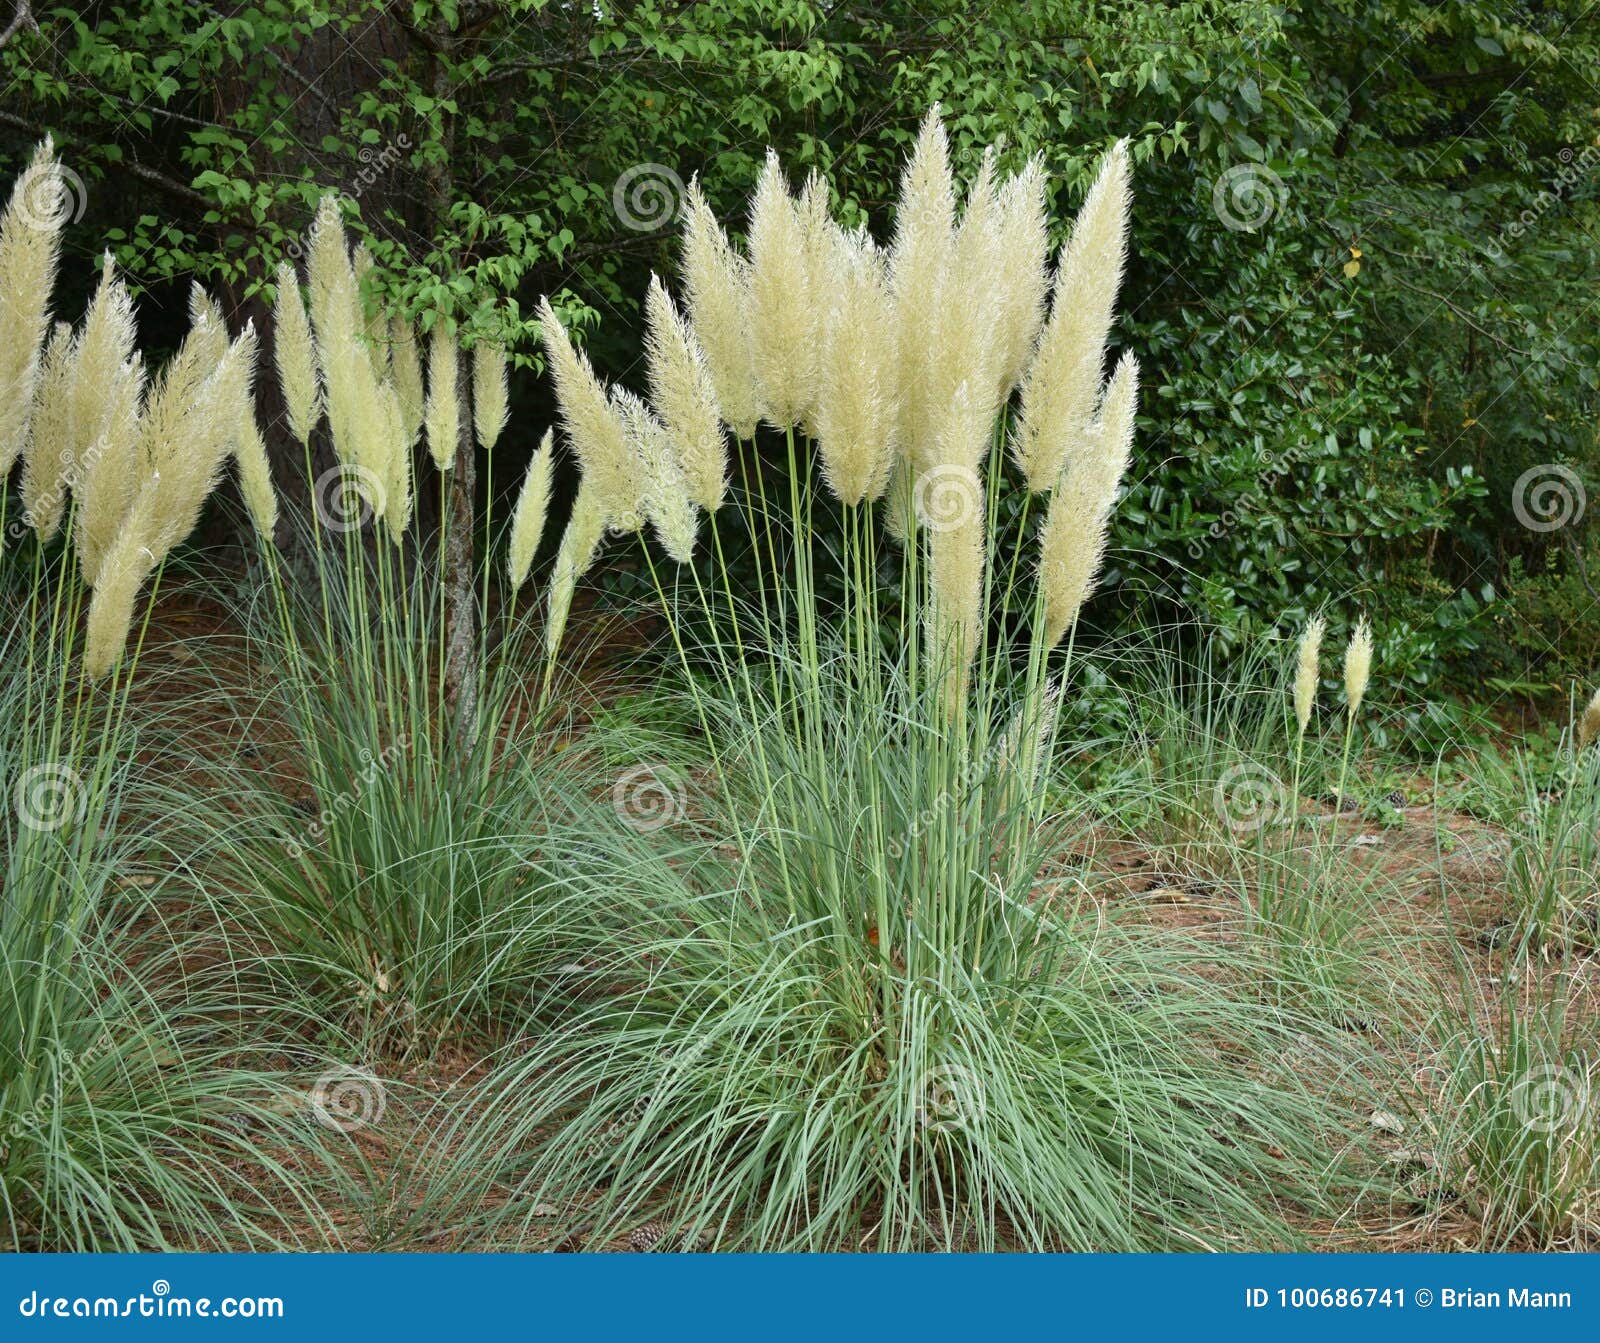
{"points": [[1060, 385], [717, 289], [295, 353], [579, 544], [685, 397], [919, 263], [1072, 543], [858, 377], [1307, 671], [397, 492], [47, 460], [1357, 665], [1023, 280], [490, 394], [30, 238], [185, 438], [595, 430], [339, 342], [442, 416], [665, 495], [533, 506], [108, 379], [1589, 724], [406, 366], [782, 309], [255, 476]]}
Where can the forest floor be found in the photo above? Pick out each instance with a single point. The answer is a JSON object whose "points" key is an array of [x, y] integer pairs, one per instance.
{"points": [[1441, 875]]}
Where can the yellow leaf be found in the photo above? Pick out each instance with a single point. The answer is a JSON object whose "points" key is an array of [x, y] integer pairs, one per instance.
{"points": [[1351, 269], [1356, 252]]}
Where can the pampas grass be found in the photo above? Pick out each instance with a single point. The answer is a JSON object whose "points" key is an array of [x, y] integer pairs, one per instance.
{"points": [[533, 505], [1061, 385], [490, 393], [594, 428], [783, 306], [442, 417], [1357, 672], [716, 281], [684, 395], [855, 414], [30, 233], [295, 353], [1072, 545], [47, 461], [1589, 724]]}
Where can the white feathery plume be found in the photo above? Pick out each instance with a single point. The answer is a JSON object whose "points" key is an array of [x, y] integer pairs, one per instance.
{"points": [[1060, 385], [683, 394]]}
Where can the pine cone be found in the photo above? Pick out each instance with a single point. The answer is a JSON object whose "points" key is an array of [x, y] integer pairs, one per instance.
{"points": [[645, 1238]]}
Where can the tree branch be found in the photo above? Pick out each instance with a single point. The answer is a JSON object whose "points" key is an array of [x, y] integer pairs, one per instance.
{"points": [[23, 18]]}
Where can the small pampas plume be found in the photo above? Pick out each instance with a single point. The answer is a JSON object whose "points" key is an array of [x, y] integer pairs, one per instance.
{"points": [[955, 569], [598, 437], [30, 239], [208, 323], [185, 440], [108, 382], [857, 379], [1060, 385], [106, 476], [406, 366], [533, 505], [255, 476], [1307, 671], [1023, 280], [683, 394], [1072, 543], [782, 307], [717, 294], [47, 461], [1357, 665], [442, 415], [1589, 724], [373, 326], [665, 496], [920, 259], [127, 564], [490, 394], [295, 353], [579, 544], [397, 493]]}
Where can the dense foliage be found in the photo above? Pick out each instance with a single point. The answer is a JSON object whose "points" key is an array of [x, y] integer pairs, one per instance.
{"points": [[1361, 270]]}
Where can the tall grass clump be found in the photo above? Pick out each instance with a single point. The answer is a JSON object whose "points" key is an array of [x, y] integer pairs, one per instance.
{"points": [[1516, 1110], [1553, 869], [383, 844], [867, 1005], [132, 1061]]}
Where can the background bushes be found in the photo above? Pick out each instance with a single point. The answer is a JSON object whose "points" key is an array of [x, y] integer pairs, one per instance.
{"points": [[1363, 268]]}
